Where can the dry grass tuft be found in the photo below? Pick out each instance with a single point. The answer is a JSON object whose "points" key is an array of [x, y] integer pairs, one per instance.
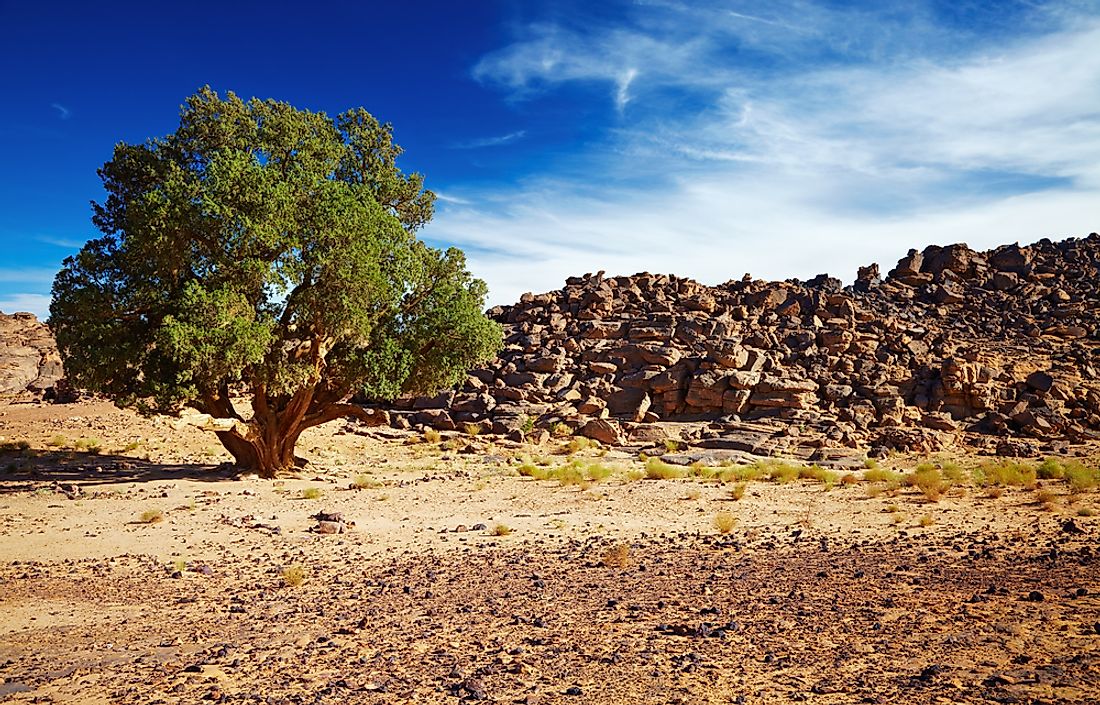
{"points": [[152, 516], [294, 575], [657, 469], [724, 522], [618, 556]]}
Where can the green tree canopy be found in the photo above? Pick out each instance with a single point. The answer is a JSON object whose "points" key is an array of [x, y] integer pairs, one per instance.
{"points": [[266, 250]]}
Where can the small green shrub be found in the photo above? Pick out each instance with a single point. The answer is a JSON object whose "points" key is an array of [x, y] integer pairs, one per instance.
{"points": [[783, 473], [57, 441], [738, 491], [1005, 473], [294, 575], [598, 472], [432, 436], [819, 474], [569, 475], [501, 530], [877, 474], [472, 429], [311, 493], [928, 480], [361, 482], [1050, 469], [88, 445], [1079, 477], [578, 443], [671, 445], [657, 469]]}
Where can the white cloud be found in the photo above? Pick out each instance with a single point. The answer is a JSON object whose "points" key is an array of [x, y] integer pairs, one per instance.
{"points": [[496, 141], [38, 304], [935, 138]]}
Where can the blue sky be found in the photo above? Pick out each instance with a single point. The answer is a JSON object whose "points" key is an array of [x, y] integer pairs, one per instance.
{"points": [[705, 139]]}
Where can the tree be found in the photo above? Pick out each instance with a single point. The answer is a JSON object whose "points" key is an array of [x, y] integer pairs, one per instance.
{"points": [[267, 251]]}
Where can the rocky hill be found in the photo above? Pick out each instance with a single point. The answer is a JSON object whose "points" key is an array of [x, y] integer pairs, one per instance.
{"points": [[997, 351], [30, 365]]}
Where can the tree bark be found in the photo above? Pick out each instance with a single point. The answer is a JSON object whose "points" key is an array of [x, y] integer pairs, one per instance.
{"points": [[268, 448]]}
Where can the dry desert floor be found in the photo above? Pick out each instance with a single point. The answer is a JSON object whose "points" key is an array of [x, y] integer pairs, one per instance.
{"points": [[136, 568]]}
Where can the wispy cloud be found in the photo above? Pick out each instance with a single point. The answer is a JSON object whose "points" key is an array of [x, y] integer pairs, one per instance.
{"points": [[27, 275], [62, 112], [496, 141], [38, 304], [817, 140], [67, 243]]}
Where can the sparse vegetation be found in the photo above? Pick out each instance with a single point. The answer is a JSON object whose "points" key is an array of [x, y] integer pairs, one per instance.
{"points": [[724, 522], [657, 469], [738, 491], [926, 520], [151, 516], [577, 444], [432, 436], [928, 480], [742, 473], [472, 429], [88, 445], [828, 478], [877, 474], [501, 530], [294, 575], [560, 430], [57, 441], [618, 556], [783, 472], [311, 493], [361, 482], [598, 472], [1004, 473], [15, 446], [671, 445]]}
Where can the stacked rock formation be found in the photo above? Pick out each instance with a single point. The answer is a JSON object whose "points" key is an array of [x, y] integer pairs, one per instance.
{"points": [[30, 365], [998, 350]]}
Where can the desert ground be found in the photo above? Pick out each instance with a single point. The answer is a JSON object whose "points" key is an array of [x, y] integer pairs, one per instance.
{"points": [[136, 566]]}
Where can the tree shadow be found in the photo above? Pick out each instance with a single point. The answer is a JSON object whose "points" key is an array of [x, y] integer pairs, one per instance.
{"points": [[29, 469]]}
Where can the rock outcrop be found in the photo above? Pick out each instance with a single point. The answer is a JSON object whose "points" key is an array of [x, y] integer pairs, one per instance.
{"points": [[30, 365], [997, 350]]}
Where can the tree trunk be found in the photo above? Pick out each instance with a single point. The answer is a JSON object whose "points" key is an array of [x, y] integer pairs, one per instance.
{"points": [[266, 453], [268, 447]]}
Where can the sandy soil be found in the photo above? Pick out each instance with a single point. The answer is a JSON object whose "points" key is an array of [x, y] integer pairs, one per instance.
{"points": [[619, 592]]}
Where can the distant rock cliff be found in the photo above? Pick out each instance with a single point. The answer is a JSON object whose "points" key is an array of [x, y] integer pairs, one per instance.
{"points": [[30, 365]]}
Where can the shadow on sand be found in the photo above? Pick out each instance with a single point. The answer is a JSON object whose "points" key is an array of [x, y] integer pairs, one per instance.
{"points": [[22, 470]]}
